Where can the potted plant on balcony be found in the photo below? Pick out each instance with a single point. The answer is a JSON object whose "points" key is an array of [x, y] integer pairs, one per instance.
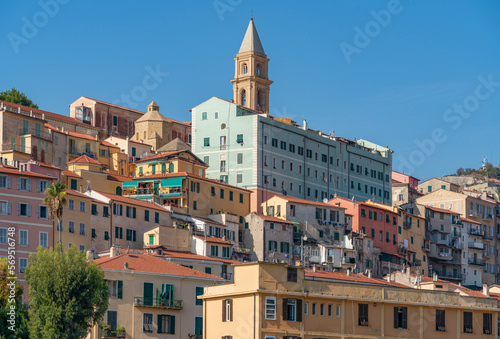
{"points": [[105, 330], [120, 332]]}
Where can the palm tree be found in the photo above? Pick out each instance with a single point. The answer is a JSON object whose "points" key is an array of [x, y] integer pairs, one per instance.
{"points": [[55, 200]]}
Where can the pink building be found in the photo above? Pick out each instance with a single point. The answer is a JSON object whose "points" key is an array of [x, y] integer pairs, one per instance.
{"points": [[24, 221], [405, 179], [45, 169], [375, 221]]}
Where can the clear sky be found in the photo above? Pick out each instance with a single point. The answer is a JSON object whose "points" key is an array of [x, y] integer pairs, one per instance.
{"points": [[421, 76]]}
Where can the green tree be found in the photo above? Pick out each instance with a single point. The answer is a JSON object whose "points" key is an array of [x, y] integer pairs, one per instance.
{"points": [[55, 200], [17, 97], [68, 294], [13, 314]]}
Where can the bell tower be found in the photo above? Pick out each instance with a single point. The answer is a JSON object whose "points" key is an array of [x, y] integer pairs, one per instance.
{"points": [[251, 83]]}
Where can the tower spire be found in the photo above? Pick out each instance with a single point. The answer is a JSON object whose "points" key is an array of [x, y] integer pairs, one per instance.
{"points": [[250, 83]]}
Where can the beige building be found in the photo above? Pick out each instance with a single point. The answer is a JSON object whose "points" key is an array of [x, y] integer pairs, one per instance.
{"points": [[271, 301], [435, 184], [412, 241], [156, 130], [133, 149], [151, 297], [479, 207]]}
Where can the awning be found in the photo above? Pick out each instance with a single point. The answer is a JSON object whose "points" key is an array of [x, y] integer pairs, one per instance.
{"points": [[172, 182], [129, 184]]}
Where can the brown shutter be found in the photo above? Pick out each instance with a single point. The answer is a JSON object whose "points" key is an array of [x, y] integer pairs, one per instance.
{"points": [[285, 308], [231, 309], [299, 310], [223, 310]]}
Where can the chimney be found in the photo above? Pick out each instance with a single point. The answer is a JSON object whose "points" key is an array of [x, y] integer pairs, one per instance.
{"points": [[349, 272], [314, 268], [369, 274], [388, 277], [112, 251], [125, 265], [304, 124], [486, 290], [408, 270], [434, 276]]}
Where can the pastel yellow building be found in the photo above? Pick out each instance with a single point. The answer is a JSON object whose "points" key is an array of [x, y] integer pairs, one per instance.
{"points": [[412, 241], [170, 162], [271, 301]]}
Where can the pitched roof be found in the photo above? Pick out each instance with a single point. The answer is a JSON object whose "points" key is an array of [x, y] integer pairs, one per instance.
{"points": [[80, 135], [251, 41], [273, 219], [341, 276], [84, 159], [137, 202], [174, 145], [71, 174], [108, 144], [306, 202], [77, 194], [470, 221], [189, 255], [152, 116], [120, 178], [148, 263], [213, 239], [160, 156], [113, 105], [13, 170], [440, 210]]}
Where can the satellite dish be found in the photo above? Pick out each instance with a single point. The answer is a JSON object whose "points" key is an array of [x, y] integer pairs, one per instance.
{"points": [[325, 200]]}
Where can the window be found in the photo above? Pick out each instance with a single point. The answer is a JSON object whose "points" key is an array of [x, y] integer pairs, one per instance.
{"points": [[440, 321], [147, 323], [23, 262], [291, 274], [157, 217], [23, 209], [330, 310], [239, 178], [206, 142], [105, 211], [227, 310], [118, 232], [292, 309], [115, 120], [166, 324], [239, 138], [241, 198], [4, 181], [204, 116], [199, 291], [337, 311], [270, 308], [42, 185], [71, 227], [313, 308], [23, 237], [82, 206], [82, 229], [400, 317], [146, 215], [239, 158], [44, 239], [23, 184], [487, 323], [363, 314], [468, 322], [42, 212], [322, 309]]}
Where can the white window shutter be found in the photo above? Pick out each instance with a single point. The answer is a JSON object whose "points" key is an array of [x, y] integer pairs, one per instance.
{"points": [[29, 184], [28, 209], [18, 183]]}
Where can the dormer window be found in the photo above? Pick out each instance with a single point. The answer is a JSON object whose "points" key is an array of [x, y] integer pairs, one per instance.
{"points": [[245, 69]]}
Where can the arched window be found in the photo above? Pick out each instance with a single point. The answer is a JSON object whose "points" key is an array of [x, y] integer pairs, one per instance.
{"points": [[171, 168], [245, 69], [243, 97], [259, 98], [258, 70], [118, 190], [164, 168]]}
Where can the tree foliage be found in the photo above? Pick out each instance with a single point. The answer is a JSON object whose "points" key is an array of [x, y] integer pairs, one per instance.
{"points": [[17, 97], [11, 297], [55, 199], [68, 295]]}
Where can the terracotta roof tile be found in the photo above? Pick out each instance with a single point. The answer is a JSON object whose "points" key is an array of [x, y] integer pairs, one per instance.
{"points": [[13, 170], [108, 144], [113, 105], [84, 159], [120, 178], [189, 255], [273, 219], [137, 202], [148, 263], [214, 240], [71, 174], [470, 220], [81, 135], [352, 278], [440, 210], [306, 202]]}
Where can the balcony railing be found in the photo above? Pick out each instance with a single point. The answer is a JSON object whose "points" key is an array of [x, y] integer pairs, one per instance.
{"points": [[478, 262], [406, 224], [159, 303], [476, 245], [418, 262], [78, 152], [347, 260], [402, 250], [426, 247], [449, 275], [474, 231], [107, 333], [487, 237]]}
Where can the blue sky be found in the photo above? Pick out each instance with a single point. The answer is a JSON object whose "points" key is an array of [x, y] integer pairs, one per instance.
{"points": [[392, 72]]}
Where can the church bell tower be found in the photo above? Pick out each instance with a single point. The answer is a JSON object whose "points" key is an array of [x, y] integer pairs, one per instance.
{"points": [[251, 83]]}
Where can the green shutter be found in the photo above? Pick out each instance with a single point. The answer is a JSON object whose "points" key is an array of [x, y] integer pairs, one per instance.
{"points": [[198, 325], [172, 324], [120, 289], [133, 212], [160, 329], [117, 232], [148, 294]]}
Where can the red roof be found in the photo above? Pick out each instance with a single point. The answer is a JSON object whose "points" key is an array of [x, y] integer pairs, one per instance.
{"points": [[214, 240], [13, 170], [108, 144], [306, 202], [120, 178], [113, 105], [352, 278], [84, 159], [138, 262], [81, 135], [440, 210], [471, 221], [77, 194], [41, 164], [273, 219], [189, 255], [71, 174], [160, 156], [137, 202]]}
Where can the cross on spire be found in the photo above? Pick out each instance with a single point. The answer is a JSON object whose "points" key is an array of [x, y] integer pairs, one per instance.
{"points": [[251, 14]]}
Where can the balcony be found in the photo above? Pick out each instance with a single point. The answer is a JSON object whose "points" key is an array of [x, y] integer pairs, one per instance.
{"points": [[476, 245], [78, 152], [107, 333], [426, 247], [477, 262], [456, 221], [226, 276], [158, 303], [474, 231], [349, 261], [449, 275], [406, 224], [488, 237], [402, 250], [418, 262]]}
